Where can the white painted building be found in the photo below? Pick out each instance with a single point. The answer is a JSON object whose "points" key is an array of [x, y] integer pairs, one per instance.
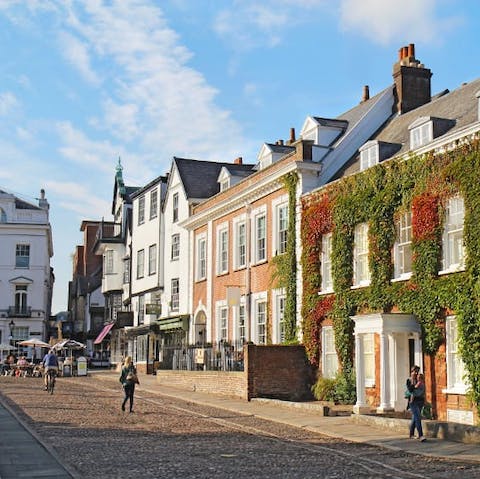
{"points": [[26, 278]]}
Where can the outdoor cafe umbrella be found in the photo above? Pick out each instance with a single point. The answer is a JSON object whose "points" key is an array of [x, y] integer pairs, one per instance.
{"points": [[34, 343], [69, 344]]}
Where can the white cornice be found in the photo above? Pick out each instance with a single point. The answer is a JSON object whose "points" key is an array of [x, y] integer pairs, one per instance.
{"points": [[248, 195]]}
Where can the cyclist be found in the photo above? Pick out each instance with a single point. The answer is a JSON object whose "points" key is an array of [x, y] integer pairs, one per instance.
{"points": [[49, 362]]}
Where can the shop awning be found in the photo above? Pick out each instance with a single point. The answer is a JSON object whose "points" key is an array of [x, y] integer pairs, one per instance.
{"points": [[106, 329], [141, 330]]}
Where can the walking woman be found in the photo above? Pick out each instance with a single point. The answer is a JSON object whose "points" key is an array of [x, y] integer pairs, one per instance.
{"points": [[417, 400], [128, 378]]}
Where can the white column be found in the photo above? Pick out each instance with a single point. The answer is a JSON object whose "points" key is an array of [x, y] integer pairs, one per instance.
{"points": [[384, 374], [361, 405]]}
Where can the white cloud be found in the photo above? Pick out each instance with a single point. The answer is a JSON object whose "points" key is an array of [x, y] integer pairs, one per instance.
{"points": [[386, 21], [8, 103], [155, 101], [249, 24], [76, 53], [78, 198]]}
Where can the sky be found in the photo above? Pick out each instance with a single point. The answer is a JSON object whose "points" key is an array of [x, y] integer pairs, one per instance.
{"points": [[84, 83]]}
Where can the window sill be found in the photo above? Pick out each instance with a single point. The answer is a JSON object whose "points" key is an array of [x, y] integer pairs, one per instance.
{"points": [[324, 292], [221, 273], [460, 390], [239, 268], [361, 285], [260, 262], [457, 269], [200, 280], [403, 277]]}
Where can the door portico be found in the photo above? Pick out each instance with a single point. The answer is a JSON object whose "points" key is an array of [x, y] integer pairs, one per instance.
{"points": [[399, 343]]}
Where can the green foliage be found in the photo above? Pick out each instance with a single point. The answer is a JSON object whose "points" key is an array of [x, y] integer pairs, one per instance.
{"points": [[324, 389], [377, 196], [340, 390], [284, 273]]}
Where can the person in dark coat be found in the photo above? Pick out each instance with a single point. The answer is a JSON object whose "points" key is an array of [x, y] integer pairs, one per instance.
{"points": [[128, 378]]}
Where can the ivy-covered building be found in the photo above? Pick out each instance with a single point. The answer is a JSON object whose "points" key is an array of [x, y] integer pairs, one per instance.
{"points": [[390, 253]]}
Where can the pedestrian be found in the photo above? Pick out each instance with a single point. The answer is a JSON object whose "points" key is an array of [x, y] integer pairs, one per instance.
{"points": [[417, 400], [411, 381], [49, 362], [128, 378]]}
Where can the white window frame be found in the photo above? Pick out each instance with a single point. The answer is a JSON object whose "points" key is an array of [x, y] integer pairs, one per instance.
{"points": [[259, 322], [453, 249], [421, 134], [175, 207], [175, 294], [222, 249], [369, 358], [141, 309], [329, 353], [21, 299], [126, 271], [175, 253], [22, 256], [241, 322], [279, 297], [141, 210], [456, 383], [153, 203], [369, 156], [240, 242], [259, 236], [109, 263], [224, 184], [201, 257], [280, 225], [361, 270], [140, 263], [222, 321], [326, 263], [402, 248], [152, 259]]}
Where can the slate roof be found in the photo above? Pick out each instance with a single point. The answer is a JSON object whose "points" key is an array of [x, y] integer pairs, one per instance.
{"points": [[459, 105], [199, 177], [21, 204], [284, 149]]}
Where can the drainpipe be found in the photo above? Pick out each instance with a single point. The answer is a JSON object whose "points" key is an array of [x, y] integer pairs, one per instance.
{"points": [[248, 272]]}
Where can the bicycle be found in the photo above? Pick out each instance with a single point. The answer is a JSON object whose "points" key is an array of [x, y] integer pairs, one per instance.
{"points": [[51, 375]]}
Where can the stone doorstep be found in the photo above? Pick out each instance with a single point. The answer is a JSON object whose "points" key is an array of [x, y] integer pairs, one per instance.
{"points": [[319, 407], [438, 429]]}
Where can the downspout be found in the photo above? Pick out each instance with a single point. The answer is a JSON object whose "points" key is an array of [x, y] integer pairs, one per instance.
{"points": [[248, 271]]}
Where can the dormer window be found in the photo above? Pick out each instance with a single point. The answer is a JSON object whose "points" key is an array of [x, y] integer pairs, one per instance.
{"points": [[421, 132], [369, 155], [224, 184]]}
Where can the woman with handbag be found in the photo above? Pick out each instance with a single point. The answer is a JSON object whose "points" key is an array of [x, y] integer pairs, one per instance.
{"points": [[128, 378]]}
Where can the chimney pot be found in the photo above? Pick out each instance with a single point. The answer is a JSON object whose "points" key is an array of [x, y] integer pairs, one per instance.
{"points": [[366, 93], [238, 161], [411, 50], [400, 54], [405, 52]]}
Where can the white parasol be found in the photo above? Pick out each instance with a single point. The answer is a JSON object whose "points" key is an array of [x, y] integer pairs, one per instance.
{"points": [[34, 343]]}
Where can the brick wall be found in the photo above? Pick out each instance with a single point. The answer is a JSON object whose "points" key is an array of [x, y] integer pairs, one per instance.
{"points": [[280, 372], [212, 382]]}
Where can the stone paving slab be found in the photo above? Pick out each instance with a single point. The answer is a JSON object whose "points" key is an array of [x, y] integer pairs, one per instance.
{"points": [[23, 455]]}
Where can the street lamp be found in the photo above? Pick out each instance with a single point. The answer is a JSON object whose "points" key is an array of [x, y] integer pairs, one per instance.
{"points": [[11, 324]]}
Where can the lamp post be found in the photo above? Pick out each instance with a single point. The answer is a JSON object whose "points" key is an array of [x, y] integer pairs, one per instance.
{"points": [[11, 325]]}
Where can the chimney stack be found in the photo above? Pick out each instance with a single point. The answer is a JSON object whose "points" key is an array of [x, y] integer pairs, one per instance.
{"points": [[365, 94], [42, 201], [412, 81], [238, 161], [292, 135]]}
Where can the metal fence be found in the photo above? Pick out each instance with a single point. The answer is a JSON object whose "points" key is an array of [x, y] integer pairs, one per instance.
{"points": [[222, 356]]}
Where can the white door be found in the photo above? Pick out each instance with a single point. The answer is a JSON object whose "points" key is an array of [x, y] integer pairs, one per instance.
{"points": [[400, 367]]}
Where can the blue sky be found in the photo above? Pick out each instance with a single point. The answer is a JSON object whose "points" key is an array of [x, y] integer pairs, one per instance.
{"points": [[86, 82]]}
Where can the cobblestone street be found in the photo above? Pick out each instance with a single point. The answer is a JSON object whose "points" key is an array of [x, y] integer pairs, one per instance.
{"points": [[168, 438]]}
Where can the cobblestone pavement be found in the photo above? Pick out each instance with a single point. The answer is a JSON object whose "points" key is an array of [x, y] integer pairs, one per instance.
{"points": [[170, 438]]}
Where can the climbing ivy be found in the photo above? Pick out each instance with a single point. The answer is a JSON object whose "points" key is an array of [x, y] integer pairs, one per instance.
{"points": [[420, 184], [284, 273]]}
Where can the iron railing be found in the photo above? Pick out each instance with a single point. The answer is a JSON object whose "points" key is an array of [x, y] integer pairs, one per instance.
{"points": [[19, 311], [221, 356]]}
